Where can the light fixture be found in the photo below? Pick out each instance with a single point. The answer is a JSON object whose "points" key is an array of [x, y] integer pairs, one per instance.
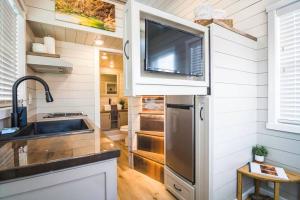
{"points": [[111, 64], [99, 42], [104, 57]]}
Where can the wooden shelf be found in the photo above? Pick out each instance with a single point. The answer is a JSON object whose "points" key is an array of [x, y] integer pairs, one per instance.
{"points": [[158, 158], [224, 25], [43, 54], [151, 113], [151, 133]]}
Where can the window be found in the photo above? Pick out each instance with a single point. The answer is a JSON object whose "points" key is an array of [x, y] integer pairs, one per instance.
{"points": [[10, 43], [284, 66], [196, 58]]}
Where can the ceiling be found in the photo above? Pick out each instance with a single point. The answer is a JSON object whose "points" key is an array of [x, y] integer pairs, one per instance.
{"points": [[111, 60], [71, 35], [87, 38]]}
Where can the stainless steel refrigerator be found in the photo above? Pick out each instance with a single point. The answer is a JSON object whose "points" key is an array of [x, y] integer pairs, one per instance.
{"points": [[180, 136]]}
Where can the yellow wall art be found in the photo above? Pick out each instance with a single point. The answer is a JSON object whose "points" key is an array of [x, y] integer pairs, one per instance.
{"points": [[93, 13]]}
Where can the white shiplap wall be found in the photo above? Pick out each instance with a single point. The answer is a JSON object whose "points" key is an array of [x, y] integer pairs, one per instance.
{"points": [[71, 92], [233, 113], [250, 16], [30, 85]]}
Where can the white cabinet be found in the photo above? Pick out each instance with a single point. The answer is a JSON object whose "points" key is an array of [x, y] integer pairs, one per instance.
{"points": [[178, 187], [122, 118], [203, 140], [93, 181], [105, 118], [138, 81], [233, 106]]}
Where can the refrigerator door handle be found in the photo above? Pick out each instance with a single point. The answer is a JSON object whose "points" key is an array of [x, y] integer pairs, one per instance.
{"points": [[179, 106], [201, 110]]}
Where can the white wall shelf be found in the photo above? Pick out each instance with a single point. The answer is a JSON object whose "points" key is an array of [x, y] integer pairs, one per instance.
{"points": [[44, 64]]}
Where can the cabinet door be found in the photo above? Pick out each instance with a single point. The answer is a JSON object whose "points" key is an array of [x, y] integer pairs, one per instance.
{"points": [[137, 80], [93, 181], [122, 119], [127, 49], [202, 147], [105, 121]]}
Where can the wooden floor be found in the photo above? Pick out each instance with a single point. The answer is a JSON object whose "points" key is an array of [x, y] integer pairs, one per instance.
{"points": [[133, 185]]}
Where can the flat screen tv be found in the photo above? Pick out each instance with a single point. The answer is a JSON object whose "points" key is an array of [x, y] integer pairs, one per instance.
{"points": [[171, 50]]}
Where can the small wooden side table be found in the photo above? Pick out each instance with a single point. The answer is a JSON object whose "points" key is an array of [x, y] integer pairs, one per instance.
{"points": [[244, 171]]}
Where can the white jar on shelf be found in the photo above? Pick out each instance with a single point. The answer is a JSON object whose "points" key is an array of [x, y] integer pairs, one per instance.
{"points": [[49, 43]]}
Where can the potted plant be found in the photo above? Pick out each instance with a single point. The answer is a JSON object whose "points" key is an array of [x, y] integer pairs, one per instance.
{"points": [[122, 102], [260, 152]]}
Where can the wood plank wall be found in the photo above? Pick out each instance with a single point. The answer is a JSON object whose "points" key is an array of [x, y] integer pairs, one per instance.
{"points": [[250, 16], [233, 113], [30, 85], [71, 92]]}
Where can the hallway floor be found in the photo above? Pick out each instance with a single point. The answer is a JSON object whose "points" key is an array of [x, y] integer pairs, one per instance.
{"points": [[133, 185]]}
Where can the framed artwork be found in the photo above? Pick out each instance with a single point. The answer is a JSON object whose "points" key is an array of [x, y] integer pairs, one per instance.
{"points": [[93, 13], [109, 84], [111, 88]]}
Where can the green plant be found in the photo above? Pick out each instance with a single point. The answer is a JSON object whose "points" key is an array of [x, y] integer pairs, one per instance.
{"points": [[122, 102], [259, 150]]}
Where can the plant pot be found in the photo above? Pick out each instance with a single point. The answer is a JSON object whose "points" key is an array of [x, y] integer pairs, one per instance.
{"points": [[259, 158], [119, 106]]}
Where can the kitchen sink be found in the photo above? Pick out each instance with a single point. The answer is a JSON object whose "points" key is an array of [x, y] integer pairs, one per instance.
{"points": [[48, 128]]}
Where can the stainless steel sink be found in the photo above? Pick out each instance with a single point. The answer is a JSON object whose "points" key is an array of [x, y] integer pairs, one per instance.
{"points": [[49, 128]]}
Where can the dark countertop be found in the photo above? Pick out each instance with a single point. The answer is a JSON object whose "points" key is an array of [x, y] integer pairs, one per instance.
{"points": [[54, 153]]}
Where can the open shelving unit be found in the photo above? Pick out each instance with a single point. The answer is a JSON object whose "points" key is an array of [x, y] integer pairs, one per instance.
{"points": [[151, 113], [149, 157], [151, 133], [155, 157]]}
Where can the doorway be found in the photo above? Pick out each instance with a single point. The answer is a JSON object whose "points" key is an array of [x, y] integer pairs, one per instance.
{"points": [[113, 103]]}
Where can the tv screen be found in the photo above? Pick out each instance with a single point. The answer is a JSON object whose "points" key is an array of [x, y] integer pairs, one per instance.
{"points": [[172, 50]]}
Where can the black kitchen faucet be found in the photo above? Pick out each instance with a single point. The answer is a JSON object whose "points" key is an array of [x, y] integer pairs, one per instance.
{"points": [[15, 117]]}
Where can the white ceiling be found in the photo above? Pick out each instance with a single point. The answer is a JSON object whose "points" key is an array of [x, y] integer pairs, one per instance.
{"points": [[160, 4], [71, 35]]}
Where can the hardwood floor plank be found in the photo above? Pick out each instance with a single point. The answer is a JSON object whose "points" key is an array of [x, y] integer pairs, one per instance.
{"points": [[133, 185]]}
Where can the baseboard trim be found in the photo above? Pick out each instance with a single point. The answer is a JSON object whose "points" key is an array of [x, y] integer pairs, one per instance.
{"points": [[270, 193], [263, 191], [246, 193]]}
